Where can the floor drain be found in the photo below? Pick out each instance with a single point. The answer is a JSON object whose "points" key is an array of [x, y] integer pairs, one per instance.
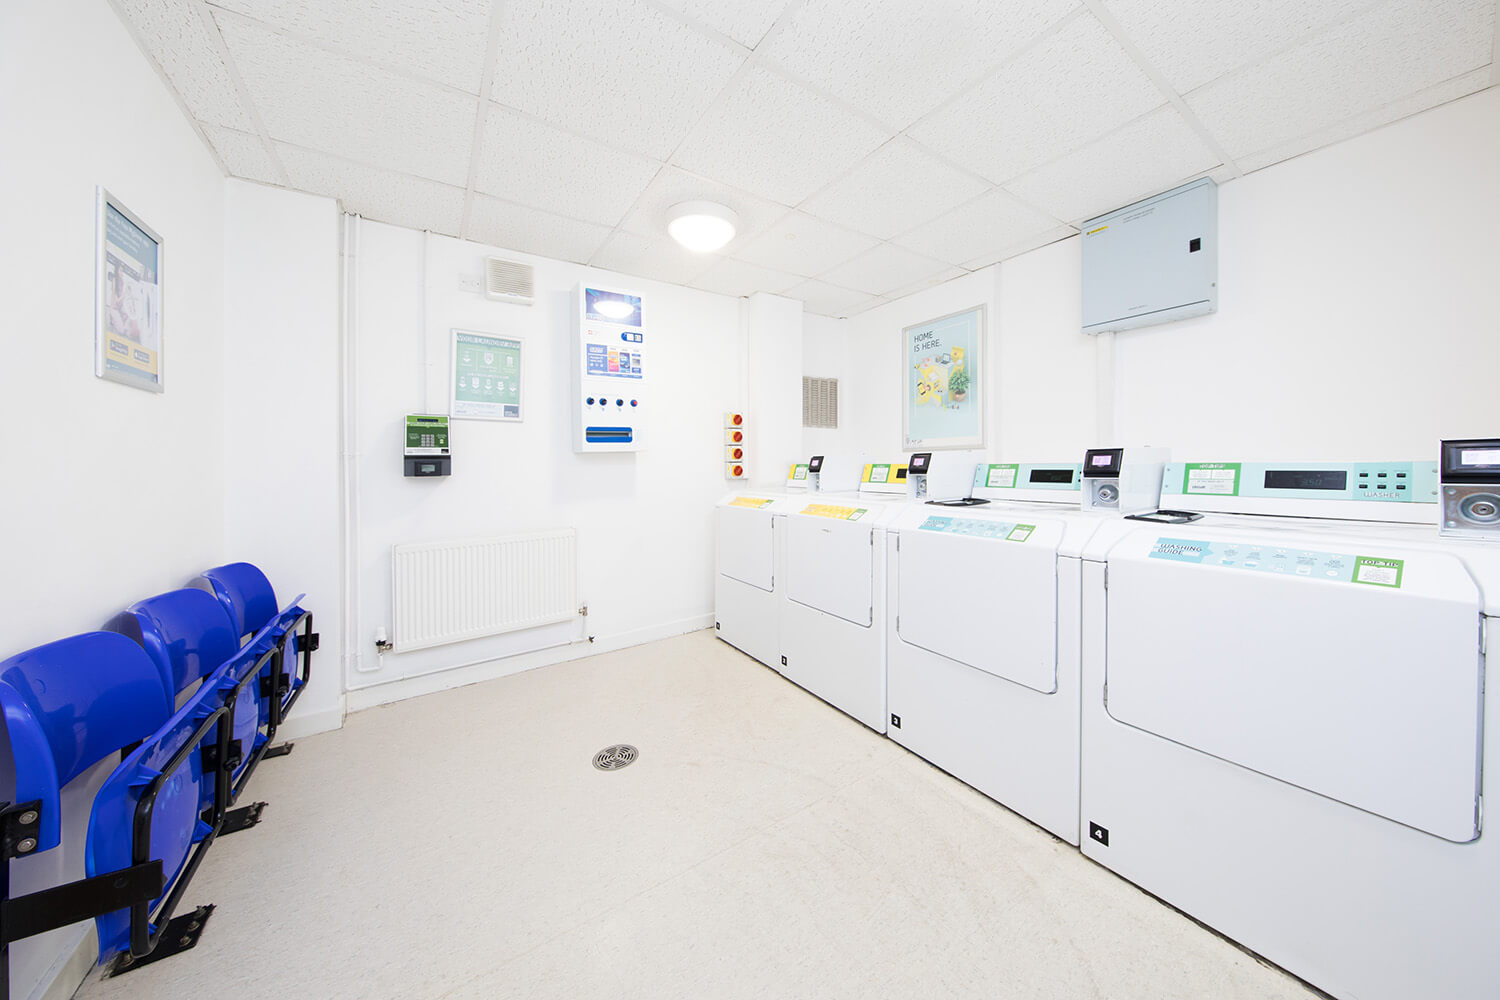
{"points": [[615, 757]]}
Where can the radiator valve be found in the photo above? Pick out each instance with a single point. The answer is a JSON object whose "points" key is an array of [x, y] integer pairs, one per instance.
{"points": [[382, 642]]}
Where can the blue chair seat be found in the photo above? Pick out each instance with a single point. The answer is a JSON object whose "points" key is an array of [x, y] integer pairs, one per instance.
{"points": [[248, 597]]}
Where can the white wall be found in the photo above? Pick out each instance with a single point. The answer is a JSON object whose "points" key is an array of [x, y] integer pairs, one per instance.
{"points": [[112, 494], [773, 328], [281, 396], [825, 354], [644, 520]]}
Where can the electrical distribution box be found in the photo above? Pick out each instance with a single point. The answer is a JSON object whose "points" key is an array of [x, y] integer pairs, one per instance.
{"points": [[426, 452], [609, 370], [1154, 261]]}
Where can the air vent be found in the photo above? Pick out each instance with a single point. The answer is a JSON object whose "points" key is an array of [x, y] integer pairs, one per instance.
{"points": [[507, 281], [820, 402]]}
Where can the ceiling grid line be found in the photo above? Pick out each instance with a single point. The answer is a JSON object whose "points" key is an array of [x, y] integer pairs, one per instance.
{"points": [[482, 111], [1096, 7], [207, 17]]}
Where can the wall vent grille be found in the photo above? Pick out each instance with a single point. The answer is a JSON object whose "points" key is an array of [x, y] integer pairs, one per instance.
{"points": [[508, 281], [820, 402]]}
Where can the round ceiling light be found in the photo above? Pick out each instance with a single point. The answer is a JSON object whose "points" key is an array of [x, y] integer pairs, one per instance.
{"points": [[701, 226]]}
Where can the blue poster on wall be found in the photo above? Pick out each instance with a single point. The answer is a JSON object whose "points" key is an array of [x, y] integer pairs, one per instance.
{"points": [[944, 405]]}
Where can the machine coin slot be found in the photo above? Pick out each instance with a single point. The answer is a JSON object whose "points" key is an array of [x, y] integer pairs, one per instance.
{"points": [[1469, 474]]}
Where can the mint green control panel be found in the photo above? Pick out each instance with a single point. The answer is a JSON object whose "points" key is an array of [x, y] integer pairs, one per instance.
{"points": [[1063, 476], [1341, 567], [1385, 482], [976, 527]]}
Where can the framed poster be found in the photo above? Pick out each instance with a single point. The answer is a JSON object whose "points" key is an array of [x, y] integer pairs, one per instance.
{"points": [[942, 360], [127, 297], [486, 382]]}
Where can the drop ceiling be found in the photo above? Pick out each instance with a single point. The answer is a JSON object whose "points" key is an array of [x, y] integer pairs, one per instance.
{"points": [[870, 147]]}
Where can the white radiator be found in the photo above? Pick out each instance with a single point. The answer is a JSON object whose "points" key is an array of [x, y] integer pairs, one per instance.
{"points": [[445, 592]]}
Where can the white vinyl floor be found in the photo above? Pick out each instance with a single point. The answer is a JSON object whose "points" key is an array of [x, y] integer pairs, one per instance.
{"points": [[764, 845]]}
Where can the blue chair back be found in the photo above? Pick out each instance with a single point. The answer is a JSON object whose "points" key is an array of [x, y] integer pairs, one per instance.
{"points": [[245, 593], [68, 705], [187, 633]]}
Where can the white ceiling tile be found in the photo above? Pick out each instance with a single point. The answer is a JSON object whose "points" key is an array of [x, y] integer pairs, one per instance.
{"points": [[523, 160], [985, 225], [517, 227], [746, 21], [324, 101], [187, 52], [924, 284], [672, 186], [657, 257], [736, 278], [618, 70], [376, 194], [1023, 246], [897, 187], [1193, 41], [442, 40], [243, 154], [1444, 92], [1064, 92], [865, 306], [824, 299], [774, 138], [1387, 54], [801, 244], [886, 268], [896, 59], [1142, 159]]}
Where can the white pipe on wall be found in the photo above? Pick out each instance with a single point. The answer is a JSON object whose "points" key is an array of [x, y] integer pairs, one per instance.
{"points": [[349, 446]]}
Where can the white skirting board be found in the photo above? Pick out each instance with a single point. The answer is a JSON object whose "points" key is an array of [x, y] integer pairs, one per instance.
{"points": [[412, 687]]}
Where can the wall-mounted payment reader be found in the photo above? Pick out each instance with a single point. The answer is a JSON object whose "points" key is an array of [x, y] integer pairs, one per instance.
{"points": [[806, 475], [426, 452], [609, 348], [1123, 480], [1470, 475]]}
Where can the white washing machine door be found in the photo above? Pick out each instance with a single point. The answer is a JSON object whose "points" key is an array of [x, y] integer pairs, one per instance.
{"points": [[1349, 667], [982, 592], [745, 546], [830, 566]]}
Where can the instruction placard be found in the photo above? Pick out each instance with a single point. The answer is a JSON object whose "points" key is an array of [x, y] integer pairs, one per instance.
{"points": [[486, 383]]}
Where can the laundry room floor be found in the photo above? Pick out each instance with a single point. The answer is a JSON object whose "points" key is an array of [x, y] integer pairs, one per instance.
{"points": [[763, 845]]}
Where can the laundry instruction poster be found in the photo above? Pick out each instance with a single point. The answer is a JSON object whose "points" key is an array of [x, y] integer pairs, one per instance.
{"points": [[944, 406], [486, 376]]}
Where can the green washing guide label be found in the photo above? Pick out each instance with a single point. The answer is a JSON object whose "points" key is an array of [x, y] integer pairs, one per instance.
{"points": [[1002, 477], [1219, 479], [977, 528], [486, 376], [799, 473], [1338, 567]]}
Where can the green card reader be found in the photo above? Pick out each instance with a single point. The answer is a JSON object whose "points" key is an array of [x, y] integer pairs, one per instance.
{"points": [[426, 452]]}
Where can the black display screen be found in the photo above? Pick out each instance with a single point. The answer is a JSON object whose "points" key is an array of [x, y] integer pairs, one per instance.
{"points": [[1307, 479], [1102, 462], [1051, 475], [816, 465], [919, 462]]}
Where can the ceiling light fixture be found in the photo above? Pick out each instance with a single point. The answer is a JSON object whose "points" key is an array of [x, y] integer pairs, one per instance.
{"points": [[701, 226]]}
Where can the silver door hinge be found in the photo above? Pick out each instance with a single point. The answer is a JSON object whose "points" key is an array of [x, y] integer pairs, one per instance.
{"points": [[1484, 634], [1106, 576]]}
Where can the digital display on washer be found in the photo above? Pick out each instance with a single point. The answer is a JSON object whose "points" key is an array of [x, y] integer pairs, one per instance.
{"points": [[1052, 475], [815, 464], [1307, 479], [1104, 462], [919, 462], [1479, 456], [1100, 460]]}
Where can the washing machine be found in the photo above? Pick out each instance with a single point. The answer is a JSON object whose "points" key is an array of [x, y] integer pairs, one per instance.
{"points": [[1284, 717], [982, 670], [749, 556], [833, 605]]}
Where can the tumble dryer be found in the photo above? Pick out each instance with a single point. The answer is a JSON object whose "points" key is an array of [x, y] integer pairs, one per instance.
{"points": [[749, 557], [833, 606], [983, 637], [1284, 722]]}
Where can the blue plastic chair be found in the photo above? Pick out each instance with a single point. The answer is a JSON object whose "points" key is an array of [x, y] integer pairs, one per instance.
{"points": [[192, 639], [72, 703], [248, 597]]}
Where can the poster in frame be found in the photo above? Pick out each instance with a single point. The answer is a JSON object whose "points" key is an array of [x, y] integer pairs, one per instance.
{"points": [[127, 297], [485, 381], [942, 361]]}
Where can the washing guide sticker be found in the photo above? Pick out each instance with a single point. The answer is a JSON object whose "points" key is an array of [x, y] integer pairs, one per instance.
{"points": [[835, 511], [756, 502], [1219, 479], [797, 473], [1001, 477], [1340, 567], [979, 528]]}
